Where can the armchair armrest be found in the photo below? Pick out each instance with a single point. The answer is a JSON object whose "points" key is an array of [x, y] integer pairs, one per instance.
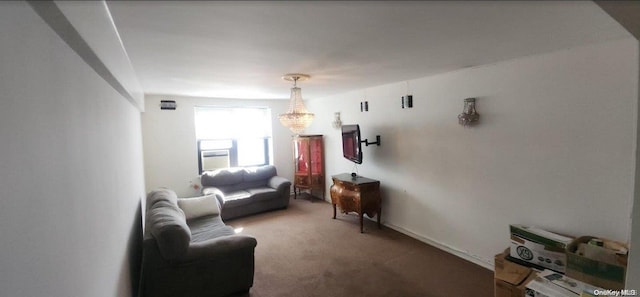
{"points": [[214, 191], [278, 183], [221, 266], [221, 247]]}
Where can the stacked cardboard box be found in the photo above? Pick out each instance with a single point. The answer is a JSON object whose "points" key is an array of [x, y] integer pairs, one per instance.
{"points": [[542, 248], [510, 278], [602, 265], [553, 284], [607, 270]]}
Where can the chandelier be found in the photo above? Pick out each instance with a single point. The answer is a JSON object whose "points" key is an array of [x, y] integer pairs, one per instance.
{"points": [[297, 117]]}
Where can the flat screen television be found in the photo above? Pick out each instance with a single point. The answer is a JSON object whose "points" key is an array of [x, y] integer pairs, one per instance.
{"points": [[351, 148]]}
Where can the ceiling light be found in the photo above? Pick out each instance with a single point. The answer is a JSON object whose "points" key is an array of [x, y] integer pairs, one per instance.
{"points": [[297, 117]]}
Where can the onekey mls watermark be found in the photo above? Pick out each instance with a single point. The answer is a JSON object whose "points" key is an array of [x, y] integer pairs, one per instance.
{"points": [[615, 292]]}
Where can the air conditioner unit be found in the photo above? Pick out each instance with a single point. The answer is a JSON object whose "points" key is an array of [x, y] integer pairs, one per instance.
{"points": [[215, 159]]}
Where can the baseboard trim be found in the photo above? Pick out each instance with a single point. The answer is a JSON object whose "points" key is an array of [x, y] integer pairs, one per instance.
{"points": [[488, 264]]}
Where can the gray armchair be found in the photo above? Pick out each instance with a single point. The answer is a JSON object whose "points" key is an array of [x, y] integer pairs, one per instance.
{"points": [[190, 256]]}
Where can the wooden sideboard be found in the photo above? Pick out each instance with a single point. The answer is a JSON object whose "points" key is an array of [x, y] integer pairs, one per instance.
{"points": [[356, 194]]}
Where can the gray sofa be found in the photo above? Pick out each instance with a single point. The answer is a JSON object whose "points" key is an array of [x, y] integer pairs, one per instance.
{"points": [[245, 191], [193, 253]]}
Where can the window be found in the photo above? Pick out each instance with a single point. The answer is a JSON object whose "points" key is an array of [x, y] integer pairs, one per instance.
{"points": [[232, 136]]}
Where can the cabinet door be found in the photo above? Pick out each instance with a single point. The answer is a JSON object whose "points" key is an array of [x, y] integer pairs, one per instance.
{"points": [[315, 144], [301, 153]]}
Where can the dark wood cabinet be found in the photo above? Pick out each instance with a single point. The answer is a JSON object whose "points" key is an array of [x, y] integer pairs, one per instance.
{"points": [[308, 152], [356, 194]]}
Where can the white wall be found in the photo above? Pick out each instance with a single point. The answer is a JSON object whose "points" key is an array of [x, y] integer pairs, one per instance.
{"points": [[555, 148], [169, 140], [93, 21], [71, 174], [633, 269]]}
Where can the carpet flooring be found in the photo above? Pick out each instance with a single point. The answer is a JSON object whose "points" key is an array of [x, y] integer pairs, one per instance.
{"points": [[303, 252]]}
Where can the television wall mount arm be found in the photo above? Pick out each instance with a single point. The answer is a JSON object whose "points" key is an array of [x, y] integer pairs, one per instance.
{"points": [[367, 143]]}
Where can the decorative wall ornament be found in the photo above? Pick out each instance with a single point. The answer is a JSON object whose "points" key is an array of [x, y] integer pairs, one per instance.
{"points": [[407, 100], [297, 118], [337, 123], [469, 116]]}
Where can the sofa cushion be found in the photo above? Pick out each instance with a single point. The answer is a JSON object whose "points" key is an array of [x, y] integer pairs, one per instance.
{"points": [[196, 207], [239, 197], [168, 226], [261, 173], [161, 195], [208, 227], [255, 177], [263, 193], [212, 191]]}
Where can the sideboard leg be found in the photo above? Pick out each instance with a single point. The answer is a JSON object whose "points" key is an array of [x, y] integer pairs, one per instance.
{"points": [[379, 214], [334, 211]]}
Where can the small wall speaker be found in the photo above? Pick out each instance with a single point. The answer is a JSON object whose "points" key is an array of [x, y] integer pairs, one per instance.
{"points": [[364, 106], [168, 104], [407, 101]]}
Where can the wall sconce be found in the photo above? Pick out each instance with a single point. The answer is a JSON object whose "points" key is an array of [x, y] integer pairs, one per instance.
{"points": [[337, 123], [469, 116]]}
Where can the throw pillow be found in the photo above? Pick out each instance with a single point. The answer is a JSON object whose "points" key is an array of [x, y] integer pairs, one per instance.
{"points": [[196, 207]]}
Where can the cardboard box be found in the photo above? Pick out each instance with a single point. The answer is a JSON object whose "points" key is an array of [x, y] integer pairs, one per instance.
{"points": [[565, 282], [550, 283], [539, 247], [510, 278], [543, 287], [608, 275], [505, 289]]}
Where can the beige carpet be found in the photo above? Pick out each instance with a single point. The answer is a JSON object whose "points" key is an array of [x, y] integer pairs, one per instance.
{"points": [[303, 252]]}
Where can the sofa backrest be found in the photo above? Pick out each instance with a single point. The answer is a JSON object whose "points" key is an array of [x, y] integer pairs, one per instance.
{"points": [[166, 223], [258, 176], [225, 179], [232, 179]]}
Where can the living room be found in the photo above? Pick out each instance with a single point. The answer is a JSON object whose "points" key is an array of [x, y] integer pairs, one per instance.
{"points": [[555, 147]]}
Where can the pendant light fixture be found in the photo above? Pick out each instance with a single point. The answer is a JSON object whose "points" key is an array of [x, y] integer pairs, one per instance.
{"points": [[297, 117]]}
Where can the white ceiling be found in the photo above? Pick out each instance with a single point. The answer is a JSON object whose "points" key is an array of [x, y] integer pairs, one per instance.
{"points": [[241, 49]]}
